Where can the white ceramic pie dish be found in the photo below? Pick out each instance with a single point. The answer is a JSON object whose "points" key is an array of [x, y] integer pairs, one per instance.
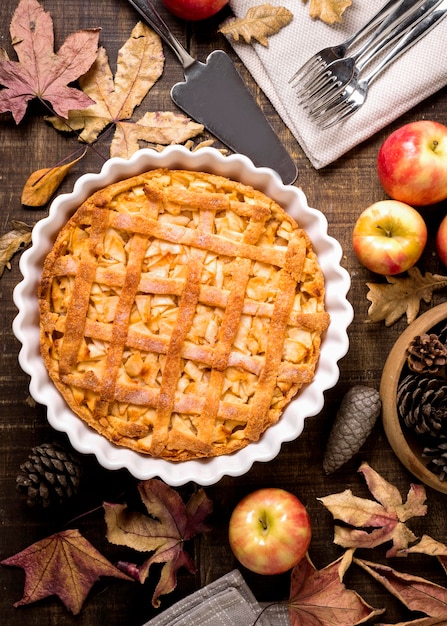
{"points": [[309, 401]]}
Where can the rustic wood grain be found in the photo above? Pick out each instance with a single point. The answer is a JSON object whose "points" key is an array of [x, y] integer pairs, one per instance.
{"points": [[341, 191]]}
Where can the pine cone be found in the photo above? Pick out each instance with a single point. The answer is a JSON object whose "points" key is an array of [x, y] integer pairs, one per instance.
{"points": [[422, 405], [438, 460], [426, 354], [51, 475]]}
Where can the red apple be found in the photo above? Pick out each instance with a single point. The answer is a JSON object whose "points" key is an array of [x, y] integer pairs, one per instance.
{"points": [[194, 10], [441, 241], [389, 237], [412, 163], [269, 531]]}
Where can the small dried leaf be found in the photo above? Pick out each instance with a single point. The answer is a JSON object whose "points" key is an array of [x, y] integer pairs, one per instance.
{"points": [[417, 594], [259, 23], [10, 243], [320, 597], [163, 128], [389, 301], [64, 564], [328, 11], [386, 516], [42, 184], [431, 547]]}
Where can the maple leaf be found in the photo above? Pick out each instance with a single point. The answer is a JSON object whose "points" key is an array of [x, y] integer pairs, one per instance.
{"points": [[259, 23], [402, 295], [139, 65], [10, 243], [386, 516], [320, 598], [417, 594], [328, 11], [40, 72], [64, 564], [164, 533]]}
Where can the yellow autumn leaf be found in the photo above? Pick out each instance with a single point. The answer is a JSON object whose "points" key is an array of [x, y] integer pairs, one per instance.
{"points": [[158, 128], [139, 65], [42, 183], [328, 11], [259, 23]]}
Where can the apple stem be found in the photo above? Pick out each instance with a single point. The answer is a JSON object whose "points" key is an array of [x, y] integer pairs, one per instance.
{"points": [[384, 230], [263, 522]]}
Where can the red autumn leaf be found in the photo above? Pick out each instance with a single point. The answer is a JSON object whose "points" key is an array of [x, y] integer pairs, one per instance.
{"points": [[164, 533], [64, 564], [40, 72], [417, 594], [387, 515], [320, 598]]}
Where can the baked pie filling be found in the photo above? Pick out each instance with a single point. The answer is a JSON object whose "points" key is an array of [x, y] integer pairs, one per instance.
{"points": [[180, 312]]}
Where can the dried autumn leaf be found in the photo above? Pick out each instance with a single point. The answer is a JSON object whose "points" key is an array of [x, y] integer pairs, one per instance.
{"points": [[328, 11], [423, 621], [417, 594], [259, 23], [161, 127], [164, 533], [40, 72], [319, 597], [387, 515], [13, 241], [64, 564], [139, 65], [42, 184], [389, 301], [431, 547]]}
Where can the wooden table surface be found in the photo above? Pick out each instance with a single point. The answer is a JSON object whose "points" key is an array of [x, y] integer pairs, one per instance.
{"points": [[340, 191]]}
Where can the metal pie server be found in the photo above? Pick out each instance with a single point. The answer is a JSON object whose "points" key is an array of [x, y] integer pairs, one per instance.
{"points": [[215, 95]]}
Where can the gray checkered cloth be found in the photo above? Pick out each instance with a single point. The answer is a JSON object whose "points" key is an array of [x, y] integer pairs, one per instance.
{"points": [[227, 601]]}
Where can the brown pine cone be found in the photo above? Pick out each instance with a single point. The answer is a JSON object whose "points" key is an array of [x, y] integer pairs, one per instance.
{"points": [[422, 405], [426, 354], [437, 460], [50, 475]]}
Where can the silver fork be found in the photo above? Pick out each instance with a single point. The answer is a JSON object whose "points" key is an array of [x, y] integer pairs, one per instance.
{"points": [[340, 72], [326, 56], [356, 92], [318, 66], [347, 70]]}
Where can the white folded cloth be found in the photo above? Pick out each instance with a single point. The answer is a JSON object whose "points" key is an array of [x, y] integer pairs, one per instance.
{"points": [[227, 601], [417, 74]]}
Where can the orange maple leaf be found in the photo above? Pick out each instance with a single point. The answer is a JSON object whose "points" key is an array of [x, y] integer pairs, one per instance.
{"points": [[40, 72]]}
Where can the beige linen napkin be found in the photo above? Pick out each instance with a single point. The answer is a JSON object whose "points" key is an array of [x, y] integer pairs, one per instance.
{"points": [[417, 74], [227, 601]]}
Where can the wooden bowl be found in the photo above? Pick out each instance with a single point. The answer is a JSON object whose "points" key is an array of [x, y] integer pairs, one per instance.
{"points": [[405, 445]]}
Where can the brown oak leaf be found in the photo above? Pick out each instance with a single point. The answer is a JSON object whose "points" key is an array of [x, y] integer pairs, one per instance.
{"points": [[64, 564], [40, 72], [328, 11], [386, 516], [417, 594], [42, 184], [16, 239], [259, 23], [402, 294], [320, 598], [139, 65], [164, 533]]}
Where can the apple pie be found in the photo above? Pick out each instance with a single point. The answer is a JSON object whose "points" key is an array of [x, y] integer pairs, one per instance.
{"points": [[180, 312]]}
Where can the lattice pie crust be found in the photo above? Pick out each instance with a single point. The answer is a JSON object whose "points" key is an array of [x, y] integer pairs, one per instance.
{"points": [[180, 313]]}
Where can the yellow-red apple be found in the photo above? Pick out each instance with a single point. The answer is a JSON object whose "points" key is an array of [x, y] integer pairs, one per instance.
{"points": [[269, 531], [389, 237], [194, 10], [412, 163], [441, 240]]}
